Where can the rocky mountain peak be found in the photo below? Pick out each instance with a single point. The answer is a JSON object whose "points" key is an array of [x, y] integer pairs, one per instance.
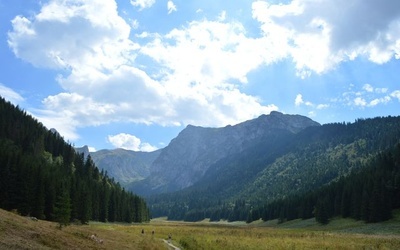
{"points": [[186, 159]]}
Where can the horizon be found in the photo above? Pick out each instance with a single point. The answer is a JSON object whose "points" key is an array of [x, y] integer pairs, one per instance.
{"points": [[133, 74], [322, 124]]}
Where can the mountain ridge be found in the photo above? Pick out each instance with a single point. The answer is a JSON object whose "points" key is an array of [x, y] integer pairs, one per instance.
{"points": [[270, 170], [188, 156]]}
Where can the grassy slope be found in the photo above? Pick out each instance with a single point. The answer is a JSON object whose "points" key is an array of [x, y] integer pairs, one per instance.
{"points": [[18, 232]]}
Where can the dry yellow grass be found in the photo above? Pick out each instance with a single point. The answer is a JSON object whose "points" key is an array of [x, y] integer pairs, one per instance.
{"points": [[18, 232]]}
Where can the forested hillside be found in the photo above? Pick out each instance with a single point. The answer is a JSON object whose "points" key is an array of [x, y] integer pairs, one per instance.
{"points": [[369, 193], [275, 177], [42, 176]]}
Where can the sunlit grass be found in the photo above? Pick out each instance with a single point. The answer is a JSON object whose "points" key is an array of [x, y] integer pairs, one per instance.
{"points": [[19, 232]]}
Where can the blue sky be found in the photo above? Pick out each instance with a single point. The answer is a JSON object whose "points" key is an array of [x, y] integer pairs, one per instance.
{"points": [[134, 73]]}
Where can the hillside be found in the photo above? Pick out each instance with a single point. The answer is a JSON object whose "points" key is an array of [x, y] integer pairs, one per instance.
{"points": [[42, 176], [19, 232], [195, 150], [285, 166], [126, 166]]}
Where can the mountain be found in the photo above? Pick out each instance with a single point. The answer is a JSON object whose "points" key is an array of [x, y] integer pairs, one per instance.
{"points": [[190, 155], [126, 166], [83, 150], [283, 164]]}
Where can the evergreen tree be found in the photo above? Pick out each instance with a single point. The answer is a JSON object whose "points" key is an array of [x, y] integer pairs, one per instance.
{"points": [[321, 211], [62, 209]]}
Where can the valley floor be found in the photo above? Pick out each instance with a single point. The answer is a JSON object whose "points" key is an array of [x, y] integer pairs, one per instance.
{"points": [[18, 232]]}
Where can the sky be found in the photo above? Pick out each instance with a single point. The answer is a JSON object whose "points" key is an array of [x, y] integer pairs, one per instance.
{"points": [[134, 73]]}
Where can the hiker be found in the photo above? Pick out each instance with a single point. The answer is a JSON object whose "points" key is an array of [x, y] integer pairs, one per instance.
{"points": [[152, 233], [169, 238], [142, 231]]}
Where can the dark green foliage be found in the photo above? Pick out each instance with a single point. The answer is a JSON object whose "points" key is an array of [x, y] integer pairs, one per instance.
{"points": [[62, 208], [42, 176], [366, 194], [321, 211], [285, 175]]}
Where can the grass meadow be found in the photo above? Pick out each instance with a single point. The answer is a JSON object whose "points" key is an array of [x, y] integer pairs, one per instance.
{"points": [[18, 232]]}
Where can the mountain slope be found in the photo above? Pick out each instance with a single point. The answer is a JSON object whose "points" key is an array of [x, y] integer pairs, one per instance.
{"points": [[273, 169], [124, 165], [190, 155], [41, 175]]}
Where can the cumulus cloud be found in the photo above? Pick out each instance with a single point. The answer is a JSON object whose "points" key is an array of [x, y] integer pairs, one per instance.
{"points": [[10, 95], [396, 94], [130, 142], [63, 121], [359, 101], [208, 51], [73, 34], [299, 101], [143, 4], [171, 7], [91, 45], [318, 35]]}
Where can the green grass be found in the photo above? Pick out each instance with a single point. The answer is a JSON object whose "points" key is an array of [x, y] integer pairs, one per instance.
{"points": [[18, 232]]}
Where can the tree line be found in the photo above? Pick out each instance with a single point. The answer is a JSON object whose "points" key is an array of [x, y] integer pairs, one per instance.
{"points": [[43, 176], [369, 194]]}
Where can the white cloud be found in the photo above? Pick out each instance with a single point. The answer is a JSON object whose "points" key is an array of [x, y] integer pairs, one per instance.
{"points": [[377, 101], [312, 114], [129, 142], [143, 4], [368, 88], [299, 100], [63, 122], [10, 95], [208, 51], [318, 35], [222, 16], [359, 101], [103, 84], [73, 34], [92, 149], [171, 7], [322, 106], [135, 24], [396, 94], [368, 96]]}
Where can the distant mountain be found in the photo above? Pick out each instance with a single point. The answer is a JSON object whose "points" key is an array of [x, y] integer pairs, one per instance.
{"points": [[190, 155], [263, 167], [126, 166], [83, 150]]}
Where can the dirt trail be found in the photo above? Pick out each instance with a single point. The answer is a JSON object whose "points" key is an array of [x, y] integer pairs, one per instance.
{"points": [[170, 246]]}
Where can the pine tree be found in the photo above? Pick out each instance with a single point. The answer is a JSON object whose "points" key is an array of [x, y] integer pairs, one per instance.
{"points": [[62, 209], [321, 211]]}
